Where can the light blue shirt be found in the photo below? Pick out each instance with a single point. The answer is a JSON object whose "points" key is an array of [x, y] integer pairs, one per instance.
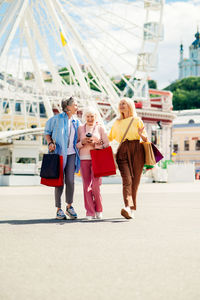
{"points": [[57, 128]]}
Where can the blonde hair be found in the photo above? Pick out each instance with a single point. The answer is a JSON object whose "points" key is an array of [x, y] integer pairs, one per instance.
{"points": [[131, 106]]}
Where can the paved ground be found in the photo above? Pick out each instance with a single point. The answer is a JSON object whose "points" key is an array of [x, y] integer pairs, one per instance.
{"points": [[154, 257]]}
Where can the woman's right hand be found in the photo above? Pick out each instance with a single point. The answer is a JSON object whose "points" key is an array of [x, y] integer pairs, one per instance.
{"points": [[52, 147], [86, 140]]}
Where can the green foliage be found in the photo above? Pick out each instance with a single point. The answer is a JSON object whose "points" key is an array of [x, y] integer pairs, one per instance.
{"points": [[186, 93], [152, 84], [65, 75], [121, 85], [165, 163], [93, 83]]}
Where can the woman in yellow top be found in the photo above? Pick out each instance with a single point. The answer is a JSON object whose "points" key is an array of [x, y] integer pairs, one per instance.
{"points": [[130, 155]]}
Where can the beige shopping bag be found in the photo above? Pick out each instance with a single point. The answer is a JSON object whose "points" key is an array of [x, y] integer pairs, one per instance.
{"points": [[149, 154]]}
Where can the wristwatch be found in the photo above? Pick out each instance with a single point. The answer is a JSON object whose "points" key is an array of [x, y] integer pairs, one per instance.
{"points": [[50, 143]]}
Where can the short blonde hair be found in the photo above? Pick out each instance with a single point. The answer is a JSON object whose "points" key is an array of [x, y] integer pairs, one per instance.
{"points": [[89, 110], [131, 106]]}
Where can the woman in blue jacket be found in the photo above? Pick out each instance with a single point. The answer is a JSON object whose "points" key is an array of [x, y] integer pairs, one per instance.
{"points": [[61, 133]]}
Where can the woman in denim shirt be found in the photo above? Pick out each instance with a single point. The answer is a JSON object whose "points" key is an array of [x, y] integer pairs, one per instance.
{"points": [[63, 129]]}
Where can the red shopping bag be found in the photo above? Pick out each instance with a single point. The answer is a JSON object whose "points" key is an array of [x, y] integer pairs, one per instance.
{"points": [[57, 181], [103, 162]]}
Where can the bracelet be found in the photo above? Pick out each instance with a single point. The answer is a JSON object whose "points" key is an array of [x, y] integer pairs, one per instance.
{"points": [[50, 143]]}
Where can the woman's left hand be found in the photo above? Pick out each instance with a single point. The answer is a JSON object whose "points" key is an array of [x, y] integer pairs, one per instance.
{"points": [[95, 140], [140, 131]]}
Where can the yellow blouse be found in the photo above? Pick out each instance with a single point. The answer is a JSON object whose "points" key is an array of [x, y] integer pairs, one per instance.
{"points": [[119, 127]]}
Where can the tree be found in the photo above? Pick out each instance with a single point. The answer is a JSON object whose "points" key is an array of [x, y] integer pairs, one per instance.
{"points": [[186, 93], [152, 84]]}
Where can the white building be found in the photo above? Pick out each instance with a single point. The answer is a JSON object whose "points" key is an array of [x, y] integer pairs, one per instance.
{"points": [[190, 66], [186, 137]]}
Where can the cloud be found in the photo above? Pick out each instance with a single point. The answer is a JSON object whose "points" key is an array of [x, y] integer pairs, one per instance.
{"points": [[105, 40]]}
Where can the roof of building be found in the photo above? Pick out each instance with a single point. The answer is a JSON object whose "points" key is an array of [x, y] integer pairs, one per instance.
{"points": [[196, 43], [190, 116]]}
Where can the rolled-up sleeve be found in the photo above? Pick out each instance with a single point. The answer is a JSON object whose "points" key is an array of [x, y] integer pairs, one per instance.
{"points": [[48, 127]]}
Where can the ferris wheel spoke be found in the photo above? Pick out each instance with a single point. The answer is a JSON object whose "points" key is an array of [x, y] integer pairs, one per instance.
{"points": [[118, 16], [104, 38], [102, 17], [110, 36]]}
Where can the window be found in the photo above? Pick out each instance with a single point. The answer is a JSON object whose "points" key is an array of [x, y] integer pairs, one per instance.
{"points": [[25, 160], [33, 136], [5, 104], [154, 137], [22, 138], [41, 156], [42, 110], [186, 145], [18, 108], [191, 121], [197, 145], [44, 141], [175, 148], [7, 160]]}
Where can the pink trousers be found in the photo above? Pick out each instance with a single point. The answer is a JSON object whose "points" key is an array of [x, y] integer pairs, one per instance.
{"points": [[91, 189]]}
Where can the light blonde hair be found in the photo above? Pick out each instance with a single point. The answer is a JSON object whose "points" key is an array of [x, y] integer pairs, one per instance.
{"points": [[131, 106]]}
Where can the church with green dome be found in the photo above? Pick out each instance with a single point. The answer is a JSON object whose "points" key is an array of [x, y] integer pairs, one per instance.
{"points": [[190, 66]]}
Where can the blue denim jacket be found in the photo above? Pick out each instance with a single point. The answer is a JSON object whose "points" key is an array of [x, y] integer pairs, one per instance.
{"points": [[57, 128]]}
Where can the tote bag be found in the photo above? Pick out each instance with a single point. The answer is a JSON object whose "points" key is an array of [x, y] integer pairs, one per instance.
{"points": [[103, 162], [55, 181], [149, 154], [158, 156], [152, 154], [50, 168]]}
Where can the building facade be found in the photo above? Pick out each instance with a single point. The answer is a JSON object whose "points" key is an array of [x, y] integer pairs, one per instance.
{"points": [[186, 137], [190, 66]]}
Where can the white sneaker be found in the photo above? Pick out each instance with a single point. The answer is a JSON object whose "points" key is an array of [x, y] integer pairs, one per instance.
{"points": [[90, 218], [99, 215], [132, 214]]}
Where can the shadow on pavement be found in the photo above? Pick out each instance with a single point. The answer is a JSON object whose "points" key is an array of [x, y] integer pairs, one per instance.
{"points": [[61, 222]]}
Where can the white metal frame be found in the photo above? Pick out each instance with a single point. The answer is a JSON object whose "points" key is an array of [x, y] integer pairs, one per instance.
{"points": [[20, 15]]}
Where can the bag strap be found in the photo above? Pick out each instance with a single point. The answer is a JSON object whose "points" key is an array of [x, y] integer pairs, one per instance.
{"points": [[127, 129]]}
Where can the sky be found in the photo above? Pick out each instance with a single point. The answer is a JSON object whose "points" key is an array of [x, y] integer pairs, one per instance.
{"points": [[180, 21]]}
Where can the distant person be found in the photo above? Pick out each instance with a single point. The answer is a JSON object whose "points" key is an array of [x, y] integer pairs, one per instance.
{"points": [[91, 135], [130, 155], [63, 128]]}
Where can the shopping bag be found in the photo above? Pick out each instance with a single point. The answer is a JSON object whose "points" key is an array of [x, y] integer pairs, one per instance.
{"points": [[50, 166], [103, 162], [55, 181], [158, 156], [149, 154]]}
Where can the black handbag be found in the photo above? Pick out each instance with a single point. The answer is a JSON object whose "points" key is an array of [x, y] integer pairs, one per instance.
{"points": [[50, 168]]}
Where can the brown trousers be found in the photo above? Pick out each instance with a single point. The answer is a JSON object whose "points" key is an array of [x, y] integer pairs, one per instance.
{"points": [[130, 160]]}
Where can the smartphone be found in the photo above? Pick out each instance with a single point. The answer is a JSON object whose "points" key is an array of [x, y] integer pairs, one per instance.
{"points": [[88, 135]]}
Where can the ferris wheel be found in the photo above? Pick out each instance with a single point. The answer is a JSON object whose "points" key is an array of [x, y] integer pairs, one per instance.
{"points": [[98, 51]]}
